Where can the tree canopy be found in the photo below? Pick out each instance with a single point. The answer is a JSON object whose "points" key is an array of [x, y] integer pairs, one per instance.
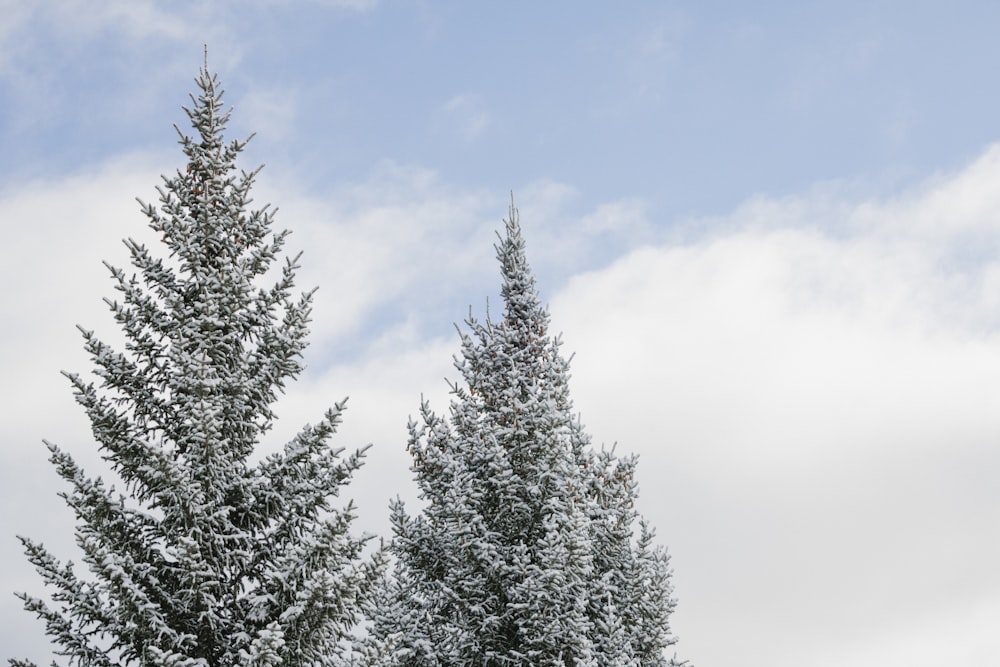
{"points": [[528, 549], [204, 557]]}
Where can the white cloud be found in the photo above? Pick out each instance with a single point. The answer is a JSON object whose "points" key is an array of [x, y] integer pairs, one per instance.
{"points": [[562, 240], [811, 382], [959, 636], [63, 63], [812, 387], [351, 5], [400, 241], [15, 14], [136, 21], [270, 110], [467, 113], [354, 5], [56, 234]]}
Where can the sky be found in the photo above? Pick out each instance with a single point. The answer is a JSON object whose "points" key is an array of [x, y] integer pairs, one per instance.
{"points": [[769, 233]]}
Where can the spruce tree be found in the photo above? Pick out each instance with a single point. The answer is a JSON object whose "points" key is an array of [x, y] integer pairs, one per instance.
{"points": [[206, 556], [528, 549]]}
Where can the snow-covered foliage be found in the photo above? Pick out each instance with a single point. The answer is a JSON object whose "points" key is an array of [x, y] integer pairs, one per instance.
{"points": [[528, 550], [204, 558]]}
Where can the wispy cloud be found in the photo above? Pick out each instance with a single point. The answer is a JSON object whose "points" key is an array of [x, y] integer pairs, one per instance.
{"points": [[467, 113], [350, 5], [272, 110], [355, 5]]}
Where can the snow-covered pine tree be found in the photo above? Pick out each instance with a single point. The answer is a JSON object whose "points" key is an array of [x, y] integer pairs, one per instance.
{"points": [[525, 551], [205, 558], [630, 601]]}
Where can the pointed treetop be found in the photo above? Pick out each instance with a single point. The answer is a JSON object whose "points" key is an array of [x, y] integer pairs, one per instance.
{"points": [[519, 293], [206, 114]]}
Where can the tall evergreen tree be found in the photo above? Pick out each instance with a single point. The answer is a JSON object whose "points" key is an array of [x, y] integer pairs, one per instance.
{"points": [[524, 552], [205, 558]]}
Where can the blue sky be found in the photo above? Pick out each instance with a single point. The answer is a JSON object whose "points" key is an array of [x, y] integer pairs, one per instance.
{"points": [[692, 106], [768, 231]]}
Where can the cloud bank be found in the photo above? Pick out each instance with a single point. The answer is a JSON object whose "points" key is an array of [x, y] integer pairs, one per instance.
{"points": [[812, 385], [810, 382]]}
